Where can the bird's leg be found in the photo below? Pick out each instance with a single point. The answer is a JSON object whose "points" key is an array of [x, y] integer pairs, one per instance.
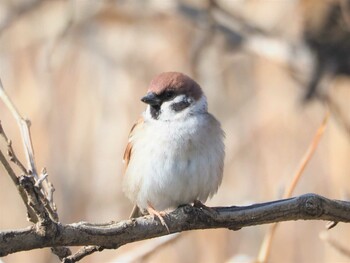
{"points": [[158, 214], [136, 212]]}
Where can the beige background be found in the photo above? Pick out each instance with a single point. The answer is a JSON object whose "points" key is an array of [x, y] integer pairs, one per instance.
{"points": [[77, 70]]}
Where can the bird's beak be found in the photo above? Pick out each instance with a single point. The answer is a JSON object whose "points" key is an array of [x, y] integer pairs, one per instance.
{"points": [[152, 99]]}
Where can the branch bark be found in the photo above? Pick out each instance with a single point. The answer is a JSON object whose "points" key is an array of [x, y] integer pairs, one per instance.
{"points": [[115, 234]]}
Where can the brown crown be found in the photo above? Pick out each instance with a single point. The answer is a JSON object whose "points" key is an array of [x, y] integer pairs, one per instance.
{"points": [[176, 81]]}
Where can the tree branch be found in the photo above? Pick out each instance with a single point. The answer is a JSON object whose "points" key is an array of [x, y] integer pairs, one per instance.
{"points": [[115, 234], [30, 212], [38, 199]]}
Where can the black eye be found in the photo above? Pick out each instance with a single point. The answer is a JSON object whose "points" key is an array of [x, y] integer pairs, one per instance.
{"points": [[168, 95]]}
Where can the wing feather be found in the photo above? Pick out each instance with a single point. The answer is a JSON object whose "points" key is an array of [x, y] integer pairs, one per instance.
{"points": [[128, 149]]}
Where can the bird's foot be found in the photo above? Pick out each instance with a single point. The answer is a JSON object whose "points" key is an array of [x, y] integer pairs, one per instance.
{"points": [[158, 214]]}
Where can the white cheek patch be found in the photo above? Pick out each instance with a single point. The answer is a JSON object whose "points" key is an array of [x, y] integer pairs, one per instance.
{"points": [[167, 113], [179, 98], [168, 108]]}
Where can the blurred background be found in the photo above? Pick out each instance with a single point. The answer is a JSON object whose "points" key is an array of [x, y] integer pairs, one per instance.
{"points": [[270, 69]]}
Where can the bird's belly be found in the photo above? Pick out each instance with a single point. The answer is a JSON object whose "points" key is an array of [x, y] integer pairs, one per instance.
{"points": [[174, 163], [178, 180], [172, 176]]}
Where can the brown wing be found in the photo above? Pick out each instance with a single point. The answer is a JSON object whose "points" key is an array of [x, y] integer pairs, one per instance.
{"points": [[127, 153], [136, 212]]}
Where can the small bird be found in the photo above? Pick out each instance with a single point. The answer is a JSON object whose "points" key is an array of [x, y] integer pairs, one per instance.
{"points": [[175, 153]]}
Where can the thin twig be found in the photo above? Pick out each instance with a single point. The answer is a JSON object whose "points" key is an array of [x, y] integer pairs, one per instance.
{"points": [[266, 245], [331, 225], [30, 212], [34, 201], [36, 192], [42, 177], [83, 252], [14, 158], [24, 126], [11, 152], [32, 217], [307, 156]]}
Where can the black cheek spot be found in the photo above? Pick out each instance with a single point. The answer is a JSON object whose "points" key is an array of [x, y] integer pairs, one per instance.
{"points": [[179, 106], [155, 111]]}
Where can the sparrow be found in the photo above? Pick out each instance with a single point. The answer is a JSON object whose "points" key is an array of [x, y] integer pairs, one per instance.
{"points": [[175, 152]]}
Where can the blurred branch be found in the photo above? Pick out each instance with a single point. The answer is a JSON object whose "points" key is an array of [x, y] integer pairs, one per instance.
{"points": [[344, 8], [307, 156], [116, 234], [245, 35], [65, 30], [19, 11], [339, 115], [267, 242], [341, 248], [142, 253]]}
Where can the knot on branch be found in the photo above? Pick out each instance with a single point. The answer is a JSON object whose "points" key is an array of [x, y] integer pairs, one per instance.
{"points": [[312, 205], [188, 209], [195, 213], [47, 228], [26, 182]]}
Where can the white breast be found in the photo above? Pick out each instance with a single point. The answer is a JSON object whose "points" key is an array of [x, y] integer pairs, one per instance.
{"points": [[175, 162]]}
